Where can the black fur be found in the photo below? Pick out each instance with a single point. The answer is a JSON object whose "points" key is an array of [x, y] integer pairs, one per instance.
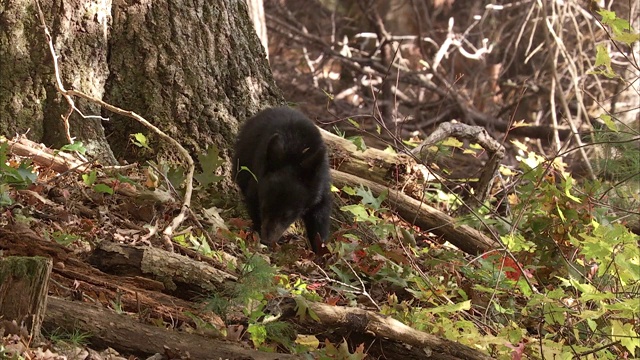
{"points": [[286, 153]]}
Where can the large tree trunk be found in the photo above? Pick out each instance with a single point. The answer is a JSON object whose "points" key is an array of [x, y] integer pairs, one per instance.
{"points": [[193, 69], [256, 13], [28, 97]]}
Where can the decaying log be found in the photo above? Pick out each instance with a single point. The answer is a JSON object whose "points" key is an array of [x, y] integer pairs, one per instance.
{"points": [[355, 322], [59, 161], [426, 217], [372, 164], [371, 168], [73, 277], [476, 134], [105, 328], [23, 292], [182, 276]]}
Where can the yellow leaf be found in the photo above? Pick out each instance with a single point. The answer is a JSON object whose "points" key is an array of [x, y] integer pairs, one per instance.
{"points": [[309, 341]]}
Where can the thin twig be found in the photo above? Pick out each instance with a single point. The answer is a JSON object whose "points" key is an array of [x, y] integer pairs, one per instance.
{"points": [[348, 287]]}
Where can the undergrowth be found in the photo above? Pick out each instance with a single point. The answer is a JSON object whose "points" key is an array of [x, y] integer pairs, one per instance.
{"points": [[565, 283]]}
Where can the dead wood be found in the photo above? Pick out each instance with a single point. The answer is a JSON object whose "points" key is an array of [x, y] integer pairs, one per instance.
{"points": [[477, 135], [372, 168], [542, 132], [371, 164], [23, 291], [424, 216], [108, 329], [350, 322], [58, 161], [181, 276], [74, 278]]}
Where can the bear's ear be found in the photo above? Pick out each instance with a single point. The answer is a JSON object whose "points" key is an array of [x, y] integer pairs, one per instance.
{"points": [[275, 151], [312, 157]]}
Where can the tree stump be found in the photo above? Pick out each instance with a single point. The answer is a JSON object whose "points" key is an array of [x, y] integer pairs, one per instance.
{"points": [[23, 293]]}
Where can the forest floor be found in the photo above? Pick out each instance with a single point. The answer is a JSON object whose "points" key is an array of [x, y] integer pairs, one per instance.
{"points": [[63, 213]]}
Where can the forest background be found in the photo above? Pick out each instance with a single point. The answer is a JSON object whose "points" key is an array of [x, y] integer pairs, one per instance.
{"points": [[512, 233]]}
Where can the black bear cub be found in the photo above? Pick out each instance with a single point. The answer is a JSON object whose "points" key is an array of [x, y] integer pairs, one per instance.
{"points": [[285, 152]]}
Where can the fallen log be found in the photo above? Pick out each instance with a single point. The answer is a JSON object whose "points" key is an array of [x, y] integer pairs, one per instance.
{"points": [[74, 278], [426, 217], [397, 339], [372, 167], [181, 276], [123, 333]]}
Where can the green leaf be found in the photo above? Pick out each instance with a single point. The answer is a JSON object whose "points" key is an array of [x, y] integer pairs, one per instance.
{"points": [[64, 239], [176, 176], [450, 308], [603, 59], [626, 335], [618, 26], [200, 244], [302, 310], [210, 162], [21, 177], [76, 146], [25, 170], [349, 190], [630, 308], [342, 275], [90, 178], [258, 334], [502, 310], [627, 37], [583, 287], [568, 185], [516, 242], [140, 140], [452, 142], [360, 212], [5, 196], [608, 121], [103, 189], [555, 315], [244, 168], [353, 123], [369, 199], [358, 141], [181, 239], [407, 237], [125, 179]]}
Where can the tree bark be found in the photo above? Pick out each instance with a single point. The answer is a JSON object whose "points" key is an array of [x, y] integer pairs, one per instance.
{"points": [[29, 101], [123, 333], [24, 282], [372, 164], [181, 276], [354, 323], [256, 13], [193, 69]]}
